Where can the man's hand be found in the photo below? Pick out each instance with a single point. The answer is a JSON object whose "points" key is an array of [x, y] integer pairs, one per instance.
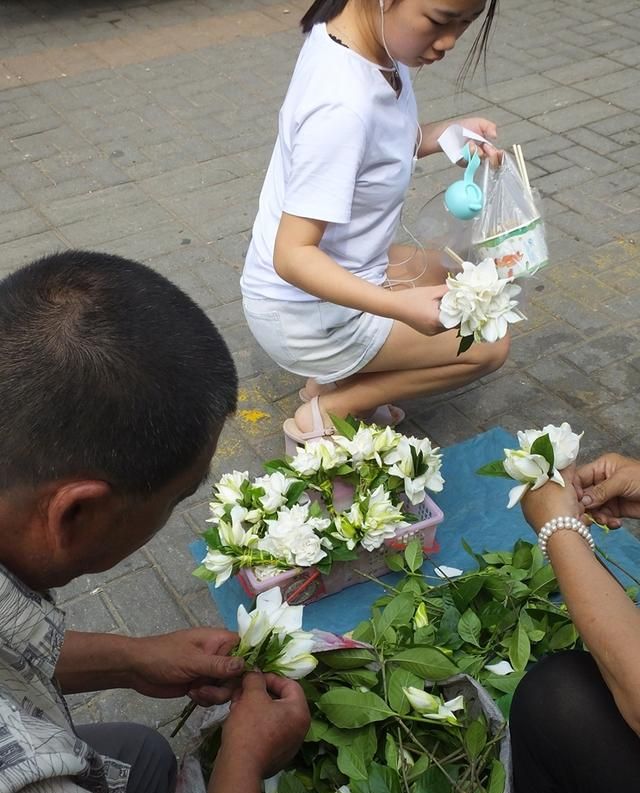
{"points": [[609, 488], [420, 308], [267, 724], [193, 662], [552, 501]]}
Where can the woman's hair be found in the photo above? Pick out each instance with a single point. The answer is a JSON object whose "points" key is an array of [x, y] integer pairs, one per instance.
{"points": [[321, 11], [326, 10]]}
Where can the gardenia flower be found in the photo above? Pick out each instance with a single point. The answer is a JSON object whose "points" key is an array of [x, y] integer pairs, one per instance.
{"points": [[270, 614], [565, 442], [362, 447], [296, 537], [322, 453], [228, 488], [295, 660], [531, 470], [420, 617], [480, 302], [382, 520], [220, 564], [275, 488], [232, 532], [431, 707], [401, 465]]}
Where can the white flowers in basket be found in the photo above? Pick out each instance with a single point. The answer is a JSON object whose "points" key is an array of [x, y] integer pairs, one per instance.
{"points": [[480, 303], [292, 516], [540, 458]]}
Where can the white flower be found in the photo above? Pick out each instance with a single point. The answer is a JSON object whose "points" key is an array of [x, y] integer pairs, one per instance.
{"points": [[415, 482], [385, 439], [270, 614], [228, 488], [220, 564], [565, 443], [295, 537], [480, 302], [500, 668], [531, 470], [433, 708], [382, 519], [275, 488], [232, 531], [361, 447], [295, 660], [421, 700], [317, 454]]}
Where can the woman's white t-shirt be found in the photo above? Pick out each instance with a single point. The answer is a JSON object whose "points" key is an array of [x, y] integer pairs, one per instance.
{"points": [[344, 155]]}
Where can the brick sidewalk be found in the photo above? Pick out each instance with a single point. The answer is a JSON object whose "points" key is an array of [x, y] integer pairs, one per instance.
{"points": [[145, 130]]}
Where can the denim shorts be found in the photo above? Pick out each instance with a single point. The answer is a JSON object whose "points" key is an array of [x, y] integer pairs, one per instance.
{"points": [[313, 338]]}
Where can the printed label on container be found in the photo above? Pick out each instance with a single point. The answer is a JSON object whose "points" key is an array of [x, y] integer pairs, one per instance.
{"points": [[522, 251]]}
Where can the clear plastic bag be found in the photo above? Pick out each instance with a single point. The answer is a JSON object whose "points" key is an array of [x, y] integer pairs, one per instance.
{"points": [[510, 228]]}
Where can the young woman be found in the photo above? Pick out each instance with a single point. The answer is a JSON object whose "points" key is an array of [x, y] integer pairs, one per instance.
{"points": [[321, 252]]}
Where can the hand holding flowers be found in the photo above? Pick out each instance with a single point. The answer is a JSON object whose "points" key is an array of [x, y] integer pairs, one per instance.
{"points": [[480, 303]]}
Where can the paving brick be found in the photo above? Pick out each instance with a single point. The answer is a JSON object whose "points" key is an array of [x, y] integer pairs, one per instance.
{"points": [[89, 610], [582, 70], [574, 115], [169, 550], [145, 605]]}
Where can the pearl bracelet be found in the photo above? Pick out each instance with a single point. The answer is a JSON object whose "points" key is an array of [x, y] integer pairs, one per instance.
{"points": [[566, 522]]}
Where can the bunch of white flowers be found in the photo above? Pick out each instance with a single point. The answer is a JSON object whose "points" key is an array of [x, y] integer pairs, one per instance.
{"points": [[417, 463], [296, 536], [480, 302], [540, 458], [272, 639], [370, 521]]}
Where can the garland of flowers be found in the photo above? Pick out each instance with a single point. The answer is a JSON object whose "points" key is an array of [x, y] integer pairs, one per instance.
{"points": [[291, 517]]}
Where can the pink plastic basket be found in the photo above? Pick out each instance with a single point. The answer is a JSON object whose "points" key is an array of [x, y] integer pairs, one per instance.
{"points": [[305, 585]]}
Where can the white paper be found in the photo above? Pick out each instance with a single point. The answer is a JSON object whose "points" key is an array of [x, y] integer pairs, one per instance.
{"points": [[454, 139], [442, 571]]}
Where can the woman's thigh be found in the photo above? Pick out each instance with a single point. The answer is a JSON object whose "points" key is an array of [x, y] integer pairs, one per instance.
{"points": [[406, 348]]}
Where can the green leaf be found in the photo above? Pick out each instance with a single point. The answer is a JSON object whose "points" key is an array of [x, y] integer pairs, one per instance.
{"points": [[469, 627], [343, 426], [399, 679], [418, 768], [316, 730], [543, 582], [432, 781], [294, 492], [363, 632], [289, 783], [504, 703], [544, 448], [352, 763], [564, 637], [522, 555], [519, 649], [398, 612], [347, 708], [426, 662], [347, 659], [475, 738], [395, 562], [360, 677], [507, 684], [204, 574], [466, 589], [498, 778], [413, 555], [391, 751], [465, 343], [495, 468], [383, 779]]}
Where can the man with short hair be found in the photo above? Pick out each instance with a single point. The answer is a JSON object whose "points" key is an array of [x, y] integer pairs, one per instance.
{"points": [[114, 387]]}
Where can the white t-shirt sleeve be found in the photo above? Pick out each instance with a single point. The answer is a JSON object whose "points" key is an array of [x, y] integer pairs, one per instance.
{"points": [[327, 151]]}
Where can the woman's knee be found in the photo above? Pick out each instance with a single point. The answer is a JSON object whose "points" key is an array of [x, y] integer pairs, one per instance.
{"points": [[490, 357]]}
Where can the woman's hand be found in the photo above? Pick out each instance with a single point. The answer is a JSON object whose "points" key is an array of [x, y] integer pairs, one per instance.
{"points": [[552, 501], [420, 308], [609, 488], [486, 128]]}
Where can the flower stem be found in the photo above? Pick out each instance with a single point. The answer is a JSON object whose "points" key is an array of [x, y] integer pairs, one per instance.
{"points": [[184, 715], [615, 564]]}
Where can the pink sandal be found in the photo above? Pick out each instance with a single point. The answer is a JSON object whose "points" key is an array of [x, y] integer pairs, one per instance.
{"points": [[383, 415], [294, 437]]}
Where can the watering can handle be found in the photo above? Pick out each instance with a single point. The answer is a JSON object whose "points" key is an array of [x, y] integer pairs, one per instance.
{"points": [[473, 163]]}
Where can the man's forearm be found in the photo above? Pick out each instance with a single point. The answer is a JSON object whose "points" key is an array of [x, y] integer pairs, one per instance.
{"points": [[94, 662], [233, 774]]}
